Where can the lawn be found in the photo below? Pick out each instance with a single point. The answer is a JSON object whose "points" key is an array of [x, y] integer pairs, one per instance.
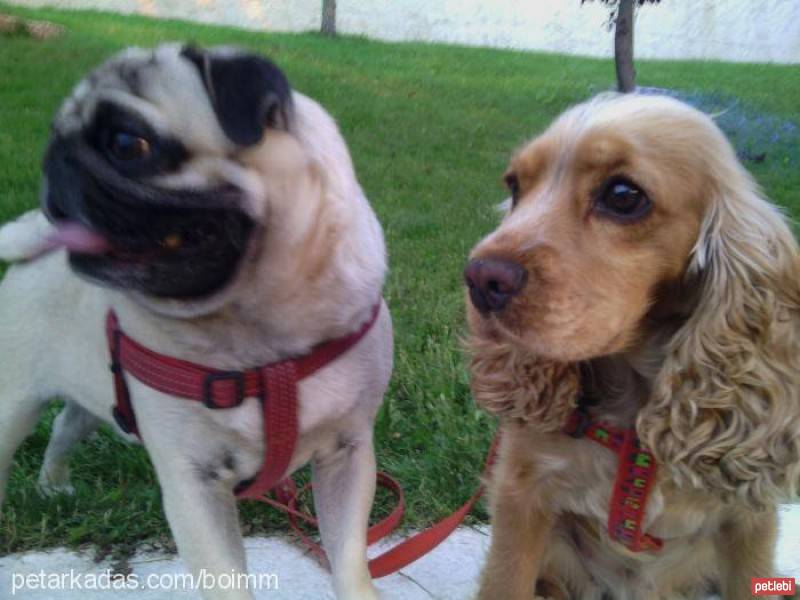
{"points": [[430, 128]]}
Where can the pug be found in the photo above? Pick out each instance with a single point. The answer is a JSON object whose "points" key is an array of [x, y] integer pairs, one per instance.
{"points": [[216, 212]]}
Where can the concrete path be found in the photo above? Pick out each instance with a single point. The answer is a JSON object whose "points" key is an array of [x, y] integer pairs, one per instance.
{"points": [[448, 573]]}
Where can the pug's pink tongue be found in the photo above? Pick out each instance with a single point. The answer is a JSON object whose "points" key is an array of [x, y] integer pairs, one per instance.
{"points": [[77, 238]]}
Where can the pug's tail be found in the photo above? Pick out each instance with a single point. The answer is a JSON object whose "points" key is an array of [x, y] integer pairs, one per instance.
{"points": [[24, 238]]}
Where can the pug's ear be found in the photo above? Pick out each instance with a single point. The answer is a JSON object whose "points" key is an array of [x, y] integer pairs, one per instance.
{"points": [[248, 92]]}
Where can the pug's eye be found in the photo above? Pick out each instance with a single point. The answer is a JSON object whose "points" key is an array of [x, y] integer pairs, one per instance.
{"points": [[623, 200], [512, 183], [127, 146]]}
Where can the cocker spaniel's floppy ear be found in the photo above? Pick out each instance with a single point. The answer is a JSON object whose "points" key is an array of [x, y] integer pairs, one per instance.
{"points": [[725, 410]]}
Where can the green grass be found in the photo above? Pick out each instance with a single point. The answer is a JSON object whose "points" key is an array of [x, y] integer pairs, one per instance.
{"points": [[430, 128]]}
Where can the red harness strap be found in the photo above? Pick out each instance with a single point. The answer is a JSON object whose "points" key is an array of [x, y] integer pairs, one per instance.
{"points": [[635, 476], [275, 385]]}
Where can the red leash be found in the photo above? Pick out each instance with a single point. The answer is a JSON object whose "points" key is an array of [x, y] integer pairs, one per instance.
{"points": [[635, 476], [403, 554]]}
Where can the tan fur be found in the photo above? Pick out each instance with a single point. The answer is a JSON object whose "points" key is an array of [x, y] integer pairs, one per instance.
{"points": [[522, 387], [686, 325], [314, 227]]}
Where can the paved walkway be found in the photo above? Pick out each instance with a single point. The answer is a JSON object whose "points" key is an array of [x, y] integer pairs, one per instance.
{"points": [[448, 573]]}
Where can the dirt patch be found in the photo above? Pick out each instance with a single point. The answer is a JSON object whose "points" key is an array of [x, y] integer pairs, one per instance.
{"points": [[40, 30]]}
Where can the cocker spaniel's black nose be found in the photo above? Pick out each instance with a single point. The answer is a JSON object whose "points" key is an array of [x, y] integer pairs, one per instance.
{"points": [[493, 282]]}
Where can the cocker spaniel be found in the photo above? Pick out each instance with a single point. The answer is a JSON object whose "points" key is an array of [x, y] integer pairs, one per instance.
{"points": [[640, 292]]}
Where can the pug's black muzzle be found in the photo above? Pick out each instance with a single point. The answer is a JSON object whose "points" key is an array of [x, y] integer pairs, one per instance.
{"points": [[163, 242]]}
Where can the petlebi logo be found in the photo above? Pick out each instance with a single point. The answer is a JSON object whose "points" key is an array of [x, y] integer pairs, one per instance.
{"points": [[772, 586]]}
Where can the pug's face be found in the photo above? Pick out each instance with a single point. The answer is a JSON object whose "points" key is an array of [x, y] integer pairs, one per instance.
{"points": [[142, 177]]}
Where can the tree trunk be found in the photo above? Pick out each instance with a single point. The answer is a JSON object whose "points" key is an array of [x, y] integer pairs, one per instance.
{"points": [[623, 47], [329, 17]]}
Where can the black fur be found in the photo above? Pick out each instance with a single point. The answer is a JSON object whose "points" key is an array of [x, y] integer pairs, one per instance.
{"points": [[167, 154], [84, 186], [248, 93]]}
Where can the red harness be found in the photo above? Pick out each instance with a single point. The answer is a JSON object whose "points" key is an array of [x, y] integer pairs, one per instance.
{"points": [[636, 473], [275, 385]]}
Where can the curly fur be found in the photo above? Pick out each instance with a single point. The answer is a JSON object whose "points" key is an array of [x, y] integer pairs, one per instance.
{"points": [[725, 409], [511, 383]]}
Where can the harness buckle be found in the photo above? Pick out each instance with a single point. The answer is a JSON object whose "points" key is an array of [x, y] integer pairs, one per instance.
{"points": [[208, 388]]}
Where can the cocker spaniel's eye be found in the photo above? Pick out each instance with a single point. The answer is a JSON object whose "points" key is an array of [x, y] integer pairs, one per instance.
{"points": [[512, 183], [621, 199], [127, 147]]}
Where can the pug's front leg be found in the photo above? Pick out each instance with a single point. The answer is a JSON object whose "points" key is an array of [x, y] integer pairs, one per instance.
{"points": [[201, 510], [197, 475], [344, 488]]}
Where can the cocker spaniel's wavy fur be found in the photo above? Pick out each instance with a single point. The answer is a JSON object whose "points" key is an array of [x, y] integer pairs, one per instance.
{"points": [[682, 321]]}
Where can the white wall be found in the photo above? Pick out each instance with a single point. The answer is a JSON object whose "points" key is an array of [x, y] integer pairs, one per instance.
{"points": [[733, 30]]}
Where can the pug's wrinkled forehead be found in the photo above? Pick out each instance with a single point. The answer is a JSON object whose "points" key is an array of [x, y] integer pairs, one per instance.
{"points": [[210, 99]]}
